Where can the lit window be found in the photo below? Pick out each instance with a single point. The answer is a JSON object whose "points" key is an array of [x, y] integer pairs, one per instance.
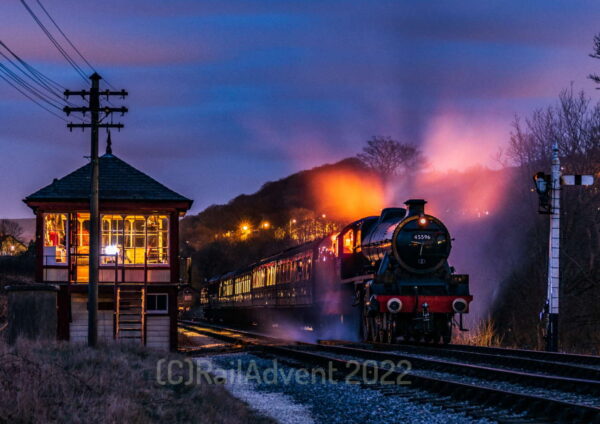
{"points": [[83, 233], [112, 238], [135, 240], [348, 241], [55, 239], [157, 303], [158, 239]]}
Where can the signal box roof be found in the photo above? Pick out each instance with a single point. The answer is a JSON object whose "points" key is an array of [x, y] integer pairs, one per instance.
{"points": [[119, 181]]}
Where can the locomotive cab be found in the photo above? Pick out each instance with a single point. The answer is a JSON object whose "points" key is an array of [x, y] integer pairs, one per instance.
{"points": [[350, 241]]}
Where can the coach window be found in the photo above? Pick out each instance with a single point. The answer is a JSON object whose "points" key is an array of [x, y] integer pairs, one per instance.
{"points": [[258, 278], [271, 272], [307, 271]]}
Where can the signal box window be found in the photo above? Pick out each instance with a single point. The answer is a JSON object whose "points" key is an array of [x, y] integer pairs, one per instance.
{"points": [[157, 303], [55, 239], [135, 239], [158, 239]]}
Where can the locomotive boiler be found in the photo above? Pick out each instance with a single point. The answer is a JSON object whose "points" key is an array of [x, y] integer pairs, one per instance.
{"points": [[387, 275]]}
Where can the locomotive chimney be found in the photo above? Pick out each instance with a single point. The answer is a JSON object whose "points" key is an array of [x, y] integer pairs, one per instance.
{"points": [[415, 206]]}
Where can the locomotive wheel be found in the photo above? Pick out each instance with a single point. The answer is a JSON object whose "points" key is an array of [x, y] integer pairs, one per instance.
{"points": [[367, 327], [378, 329], [447, 333], [384, 328], [390, 329]]}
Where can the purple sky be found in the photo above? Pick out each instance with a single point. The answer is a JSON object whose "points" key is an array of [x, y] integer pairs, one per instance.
{"points": [[225, 95]]}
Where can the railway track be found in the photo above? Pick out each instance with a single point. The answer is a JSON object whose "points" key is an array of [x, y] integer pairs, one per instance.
{"points": [[500, 394], [530, 354], [506, 358]]}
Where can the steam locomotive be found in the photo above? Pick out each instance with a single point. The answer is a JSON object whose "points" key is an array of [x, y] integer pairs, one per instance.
{"points": [[385, 276]]}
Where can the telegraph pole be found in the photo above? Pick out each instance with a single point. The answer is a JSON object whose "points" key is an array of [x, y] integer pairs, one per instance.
{"points": [[94, 108]]}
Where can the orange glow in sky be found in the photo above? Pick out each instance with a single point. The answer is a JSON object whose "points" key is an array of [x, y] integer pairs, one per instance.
{"points": [[347, 196]]}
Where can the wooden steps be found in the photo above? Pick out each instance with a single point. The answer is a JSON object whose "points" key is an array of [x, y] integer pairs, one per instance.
{"points": [[130, 314]]}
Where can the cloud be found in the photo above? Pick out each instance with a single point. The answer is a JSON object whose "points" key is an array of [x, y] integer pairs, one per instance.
{"points": [[226, 95]]}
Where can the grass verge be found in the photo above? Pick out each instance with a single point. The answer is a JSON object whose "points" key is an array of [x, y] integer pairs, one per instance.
{"points": [[61, 382]]}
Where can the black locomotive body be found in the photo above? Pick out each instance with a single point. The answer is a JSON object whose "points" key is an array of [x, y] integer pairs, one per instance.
{"points": [[387, 276]]}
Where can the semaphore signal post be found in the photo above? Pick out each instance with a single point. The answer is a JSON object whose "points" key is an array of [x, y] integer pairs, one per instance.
{"points": [[95, 109], [548, 188]]}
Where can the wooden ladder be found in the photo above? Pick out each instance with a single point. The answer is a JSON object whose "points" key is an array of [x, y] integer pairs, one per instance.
{"points": [[130, 314]]}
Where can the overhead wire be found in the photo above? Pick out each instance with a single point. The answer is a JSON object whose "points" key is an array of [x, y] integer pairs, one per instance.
{"points": [[45, 90], [56, 44], [32, 99], [15, 81], [35, 73], [35, 79], [70, 42], [24, 84], [36, 83]]}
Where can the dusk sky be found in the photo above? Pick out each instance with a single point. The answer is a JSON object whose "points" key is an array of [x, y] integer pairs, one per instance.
{"points": [[226, 95]]}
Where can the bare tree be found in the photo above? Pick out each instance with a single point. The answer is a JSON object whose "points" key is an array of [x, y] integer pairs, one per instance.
{"points": [[574, 123], [10, 228], [596, 55], [389, 157]]}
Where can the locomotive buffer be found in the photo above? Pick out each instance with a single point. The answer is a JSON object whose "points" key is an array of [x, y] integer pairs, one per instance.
{"points": [[548, 188]]}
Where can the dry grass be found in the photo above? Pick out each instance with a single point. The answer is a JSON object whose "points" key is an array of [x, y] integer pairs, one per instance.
{"points": [[483, 334], [59, 382]]}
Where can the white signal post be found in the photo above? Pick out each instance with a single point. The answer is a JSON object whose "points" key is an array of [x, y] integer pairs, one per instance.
{"points": [[554, 254], [550, 185]]}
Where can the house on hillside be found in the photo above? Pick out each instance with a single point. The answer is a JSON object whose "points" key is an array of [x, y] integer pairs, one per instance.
{"points": [[139, 246], [11, 246]]}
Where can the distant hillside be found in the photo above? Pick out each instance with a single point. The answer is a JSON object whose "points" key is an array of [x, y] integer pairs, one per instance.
{"points": [[281, 202], [281, 214]]}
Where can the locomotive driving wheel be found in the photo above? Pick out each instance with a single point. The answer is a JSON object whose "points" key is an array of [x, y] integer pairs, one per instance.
{"points": [[368, 324], [379, 329], [390, 329], [447, 333]]}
